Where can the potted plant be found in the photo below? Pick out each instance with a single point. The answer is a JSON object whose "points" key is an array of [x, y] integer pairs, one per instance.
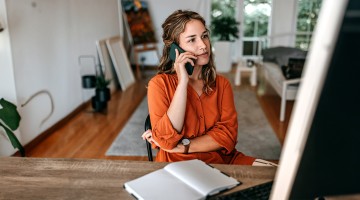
{"points": [[224, 29], [101, 88], [102, 92], [10, 121]]}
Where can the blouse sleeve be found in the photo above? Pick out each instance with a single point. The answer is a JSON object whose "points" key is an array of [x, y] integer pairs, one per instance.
{"points": [[224, 132], [159, 100]]}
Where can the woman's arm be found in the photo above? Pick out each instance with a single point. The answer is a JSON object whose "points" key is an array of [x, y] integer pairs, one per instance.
{"points": [[225, 130], [160, 95], [204, 143], [176, 111], [166, 106]]}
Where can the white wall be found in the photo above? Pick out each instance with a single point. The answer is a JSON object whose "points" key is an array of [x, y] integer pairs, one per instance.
{"points": [[7, 77], [41, 50]]}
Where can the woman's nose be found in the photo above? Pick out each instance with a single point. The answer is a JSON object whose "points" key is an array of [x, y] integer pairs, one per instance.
{"points": [[202, 44]]}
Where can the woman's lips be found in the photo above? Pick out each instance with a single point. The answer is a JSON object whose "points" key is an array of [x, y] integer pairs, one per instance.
{"points": [[203, 54]]}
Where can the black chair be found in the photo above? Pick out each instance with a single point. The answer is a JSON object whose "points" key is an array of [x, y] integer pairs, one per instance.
{"points": [[148, 145]]}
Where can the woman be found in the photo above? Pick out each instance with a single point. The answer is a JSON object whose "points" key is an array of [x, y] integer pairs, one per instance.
{"points": [[198, 108]]}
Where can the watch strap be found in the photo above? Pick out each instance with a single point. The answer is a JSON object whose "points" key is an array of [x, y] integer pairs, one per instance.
{"points": [[186, 150], [186, 143]]}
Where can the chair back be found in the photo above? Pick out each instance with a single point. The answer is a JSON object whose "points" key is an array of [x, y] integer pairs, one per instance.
{"points": [[148, 145]]}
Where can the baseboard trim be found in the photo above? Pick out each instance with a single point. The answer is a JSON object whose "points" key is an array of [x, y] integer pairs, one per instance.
{"points": [[42, 136]]}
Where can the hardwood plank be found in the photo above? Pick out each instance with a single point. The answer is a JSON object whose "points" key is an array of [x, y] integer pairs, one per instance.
{"points": [[89, 134], [113, 122]]}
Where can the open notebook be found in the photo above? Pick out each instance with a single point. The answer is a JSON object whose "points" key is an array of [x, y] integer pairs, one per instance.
{"points": [[191, 179]]}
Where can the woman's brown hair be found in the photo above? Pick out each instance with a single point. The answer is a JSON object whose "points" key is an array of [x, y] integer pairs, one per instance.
{"points": [[173, 26]]}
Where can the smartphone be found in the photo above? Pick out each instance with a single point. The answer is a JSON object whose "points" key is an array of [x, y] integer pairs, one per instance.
{"points": [[189, 68]]}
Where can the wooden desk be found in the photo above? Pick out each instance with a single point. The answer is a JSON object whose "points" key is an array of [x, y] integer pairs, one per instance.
{"points": [[41, 178]]}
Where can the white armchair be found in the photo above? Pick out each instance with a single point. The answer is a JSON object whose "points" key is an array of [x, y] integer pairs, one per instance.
{"points": [[273, 59], [286, 89]]}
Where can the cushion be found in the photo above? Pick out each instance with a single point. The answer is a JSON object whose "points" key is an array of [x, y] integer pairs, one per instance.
{"points": [[281, 55], [294, 68]]}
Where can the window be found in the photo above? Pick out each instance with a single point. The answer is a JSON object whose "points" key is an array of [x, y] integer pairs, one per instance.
{"points": [[256, 21], [221, 8], [308, 12], [256, 15]]}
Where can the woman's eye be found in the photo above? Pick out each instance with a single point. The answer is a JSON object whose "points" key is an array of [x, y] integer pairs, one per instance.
{"points": [[205, 36], [192, 40]]}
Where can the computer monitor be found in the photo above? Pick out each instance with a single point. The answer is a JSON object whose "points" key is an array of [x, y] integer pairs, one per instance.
{"points": [[321, 153]]}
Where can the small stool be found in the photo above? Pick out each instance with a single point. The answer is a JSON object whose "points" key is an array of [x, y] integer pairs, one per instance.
{"points": [[241, 67]]}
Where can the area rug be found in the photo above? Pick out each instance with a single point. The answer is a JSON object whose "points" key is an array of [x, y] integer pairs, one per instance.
{"points": [[255, 137]]}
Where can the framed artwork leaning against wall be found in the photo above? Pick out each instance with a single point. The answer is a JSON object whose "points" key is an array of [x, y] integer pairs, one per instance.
{"points": [[139, 21]]}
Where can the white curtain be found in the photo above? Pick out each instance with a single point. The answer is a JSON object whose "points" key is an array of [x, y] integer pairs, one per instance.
{"points": [[282, 30]]}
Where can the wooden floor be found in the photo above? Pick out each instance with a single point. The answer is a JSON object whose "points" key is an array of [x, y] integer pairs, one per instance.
{"points": [[89, 135]]}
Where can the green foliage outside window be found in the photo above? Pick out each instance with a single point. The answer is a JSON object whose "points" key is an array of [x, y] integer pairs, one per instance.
{"points": [[223, 20], [256, 17], [308, 12], [222, 7]]}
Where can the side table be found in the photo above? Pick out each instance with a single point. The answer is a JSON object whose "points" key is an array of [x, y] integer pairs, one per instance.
{"points": [[241, 67]]}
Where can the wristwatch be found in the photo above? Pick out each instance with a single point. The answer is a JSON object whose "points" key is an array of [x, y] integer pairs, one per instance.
{"points": [[186, 143]]}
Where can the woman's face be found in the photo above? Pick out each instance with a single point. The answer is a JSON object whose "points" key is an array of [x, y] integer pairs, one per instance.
{"points": [[195, 39]]}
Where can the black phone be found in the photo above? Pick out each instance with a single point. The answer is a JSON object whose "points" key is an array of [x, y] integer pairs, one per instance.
{"points": [[189, 68]]}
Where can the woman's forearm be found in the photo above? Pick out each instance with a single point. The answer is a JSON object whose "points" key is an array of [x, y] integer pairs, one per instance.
{"points": [[176, 111], [204, 143]]}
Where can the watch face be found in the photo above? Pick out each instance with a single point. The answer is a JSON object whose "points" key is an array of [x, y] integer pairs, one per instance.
{"points": [[185, 142]]}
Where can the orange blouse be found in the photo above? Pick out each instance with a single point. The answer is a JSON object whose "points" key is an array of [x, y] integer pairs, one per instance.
{"points": [[212, 114]]}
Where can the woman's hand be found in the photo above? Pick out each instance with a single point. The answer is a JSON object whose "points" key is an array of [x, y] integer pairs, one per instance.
{"points": [[179, 65], [178, 149], [147, 135]]}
